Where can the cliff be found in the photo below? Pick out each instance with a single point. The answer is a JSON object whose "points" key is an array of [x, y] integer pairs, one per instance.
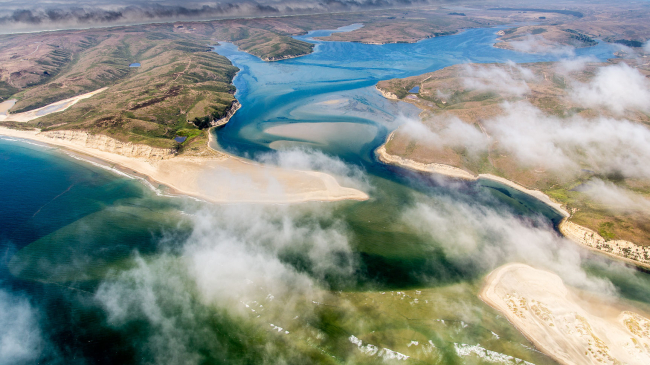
{"points": [[108, 144], [231, 111], [387, 94]]}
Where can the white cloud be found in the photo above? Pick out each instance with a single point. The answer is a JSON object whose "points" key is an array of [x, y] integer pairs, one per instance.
{"points": [[604, 144], [617, 87], [614, 197], [314, 160], [569, 65], [480, 237], [20, 335], [453, 132], [538, 44], [510, 78]]}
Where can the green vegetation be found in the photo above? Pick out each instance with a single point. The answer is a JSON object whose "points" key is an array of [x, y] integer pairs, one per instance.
{"points": [[149, 104]]}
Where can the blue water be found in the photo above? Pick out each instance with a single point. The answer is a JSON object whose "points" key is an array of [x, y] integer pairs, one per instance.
{"points": [[335, 84], [292, 91], [135, 64], [66, 224]]}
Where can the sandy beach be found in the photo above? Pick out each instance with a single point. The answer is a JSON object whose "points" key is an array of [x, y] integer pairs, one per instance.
{"points": [[48, 109], [564, 326], [455, 172], [221, 180]]}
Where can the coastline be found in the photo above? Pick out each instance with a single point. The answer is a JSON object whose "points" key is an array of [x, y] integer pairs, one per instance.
{"points": [[565, 326], [613, 248], [618, 249], [222, 179], [455, 172]]}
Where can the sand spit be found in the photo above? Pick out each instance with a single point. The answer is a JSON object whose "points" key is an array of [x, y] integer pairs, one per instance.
{"points": [[224, 179], [455, 172], [58, 106], [435, 168], [562, 325]]}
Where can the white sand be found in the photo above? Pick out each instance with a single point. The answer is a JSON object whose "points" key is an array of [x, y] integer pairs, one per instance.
{"points": [[220, 180], [457, 173], [565, 327], [58, 106]]}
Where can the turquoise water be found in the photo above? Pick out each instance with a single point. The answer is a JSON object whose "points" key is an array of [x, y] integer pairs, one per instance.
{"points": [[101, 258]]}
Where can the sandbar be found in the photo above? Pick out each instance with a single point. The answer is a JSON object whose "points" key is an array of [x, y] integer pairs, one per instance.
{"points": [[223, 179], [566, 327]]}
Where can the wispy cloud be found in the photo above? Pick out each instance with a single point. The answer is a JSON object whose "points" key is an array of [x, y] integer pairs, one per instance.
{"points": [[509, 80], [538, 44], [617, 87], [58, 14], [615, 198], [21, 341], [474, 236]]}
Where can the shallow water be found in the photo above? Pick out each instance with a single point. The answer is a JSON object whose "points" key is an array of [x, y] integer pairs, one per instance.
{"points": [[100, 257]]}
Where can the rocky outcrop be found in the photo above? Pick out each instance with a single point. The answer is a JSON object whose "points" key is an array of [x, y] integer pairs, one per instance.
{"points": [[108, 144], [639, 255], [231, 111], [387, 94]]}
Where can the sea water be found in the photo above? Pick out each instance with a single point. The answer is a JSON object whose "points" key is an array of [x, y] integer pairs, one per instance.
{"points": [[68, 227]]}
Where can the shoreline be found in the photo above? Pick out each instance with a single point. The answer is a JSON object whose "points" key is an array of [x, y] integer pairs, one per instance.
{"points": [[457, 173], [585, 237], [225, 179]]}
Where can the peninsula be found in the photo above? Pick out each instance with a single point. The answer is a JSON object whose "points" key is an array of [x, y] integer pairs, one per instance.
{"points": [[473, 119]]}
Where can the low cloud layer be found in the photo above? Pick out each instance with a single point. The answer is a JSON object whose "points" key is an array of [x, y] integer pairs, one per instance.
{"points": [[53, 15], [481, 237], [306, 159], [453, 133], [604, 144], [617, 87], [21, 341], [538, 140], [615, 198], [510, 80], [239, 262], [538, 44]]}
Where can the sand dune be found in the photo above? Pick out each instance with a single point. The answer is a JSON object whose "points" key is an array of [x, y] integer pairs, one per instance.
{"points": [[222, 180], [561, 324]]}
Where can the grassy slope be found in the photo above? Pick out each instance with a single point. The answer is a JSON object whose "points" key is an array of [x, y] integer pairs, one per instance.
{"points": [[179, 80], [443, 94]]}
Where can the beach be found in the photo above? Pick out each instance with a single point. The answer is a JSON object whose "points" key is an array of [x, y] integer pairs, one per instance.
{"points": [[565, 326], [220, 179], [457, 173]]}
